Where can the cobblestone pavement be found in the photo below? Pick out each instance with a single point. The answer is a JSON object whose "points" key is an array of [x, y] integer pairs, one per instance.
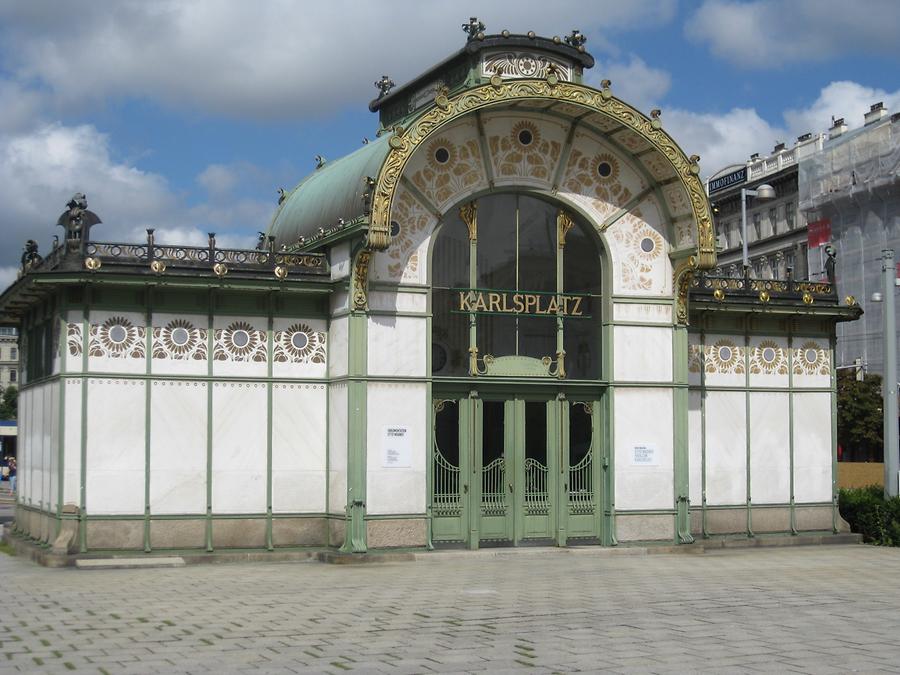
{"points": [[813, 609]]}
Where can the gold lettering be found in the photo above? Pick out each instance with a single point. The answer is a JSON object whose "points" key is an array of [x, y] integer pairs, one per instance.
{"points": [[531, 301], [465, 299], [479, 305], [493, 302], [505, 307], [553, 306], [518, 305], [576, 310], [538, 310]]}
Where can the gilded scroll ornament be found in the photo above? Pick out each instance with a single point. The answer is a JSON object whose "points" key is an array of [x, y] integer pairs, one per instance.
{"points": [[683, 275], [469, 214], [361, 281], [564, 223], [404, 143]]}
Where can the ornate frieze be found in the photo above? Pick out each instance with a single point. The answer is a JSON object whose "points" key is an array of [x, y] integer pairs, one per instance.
{"points": [[724, 357], [768, 358], [179, 339], [117, 338], [521, 64], [299, 344], [73, 338], [240, 342], [811, 358]]}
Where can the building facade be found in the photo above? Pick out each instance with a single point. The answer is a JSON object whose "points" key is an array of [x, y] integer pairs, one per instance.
{"points": [[494, 324], [9, 357]]}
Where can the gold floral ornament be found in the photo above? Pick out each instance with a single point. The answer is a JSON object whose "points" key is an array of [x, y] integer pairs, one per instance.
{"points": [[724, 357], [180, 340], [299, 344], [117, 337], [769, 358], [811, 358], [240, 342]]}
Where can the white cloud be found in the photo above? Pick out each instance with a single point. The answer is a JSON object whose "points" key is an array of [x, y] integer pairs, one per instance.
{"points": [[770, 33], [721, 139], [8, 275], [633, 81], [275, 59], [840, 99], [218, 179], [40, 170]]}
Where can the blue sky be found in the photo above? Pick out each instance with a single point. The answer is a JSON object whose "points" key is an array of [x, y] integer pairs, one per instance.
{"points": [[187, 115]]}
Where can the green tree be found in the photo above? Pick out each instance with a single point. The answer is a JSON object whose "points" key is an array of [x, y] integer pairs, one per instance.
{"points": [[9, 403], [860, 422]]}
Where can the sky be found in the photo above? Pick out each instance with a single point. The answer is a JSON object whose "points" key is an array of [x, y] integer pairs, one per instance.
{"points": [[188, 115]]}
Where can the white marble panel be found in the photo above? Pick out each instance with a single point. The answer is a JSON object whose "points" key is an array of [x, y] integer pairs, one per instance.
{"points": [[725, 360], [169, 358], [26, 447], [231, 357], [337, 447], [115, 446], [769, 361], [770, 463], [695, 448], [338, 346], [52, 422], [644, 418], [339, 259], [642, 354], [72, 436], [300, 348], [339, 301], [726, 448], [812, 447], [108, 353], [397, 346], [73, 341], [59, 340], [811, 362], [695, 360], [239, 447], [37, 446], [398, 301], [178, 413], [642, 312], [299, 448], [396, 490]]}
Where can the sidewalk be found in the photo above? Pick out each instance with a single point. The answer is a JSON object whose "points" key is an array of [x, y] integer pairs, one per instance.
{"points": [[822, 609]]}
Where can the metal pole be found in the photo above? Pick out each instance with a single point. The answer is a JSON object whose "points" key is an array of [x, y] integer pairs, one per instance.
{"points": [[744, 225], [891, 432]]}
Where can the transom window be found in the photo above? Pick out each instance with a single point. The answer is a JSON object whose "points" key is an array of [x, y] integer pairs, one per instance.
{"points": [[513, 277]]}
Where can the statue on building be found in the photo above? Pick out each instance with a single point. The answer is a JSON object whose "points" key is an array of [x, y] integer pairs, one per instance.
{"points": [[830, 263], [77, 220], [30, 256]]}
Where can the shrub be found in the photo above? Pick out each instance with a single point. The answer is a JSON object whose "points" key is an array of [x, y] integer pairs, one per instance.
{"points": [[870, 514]]}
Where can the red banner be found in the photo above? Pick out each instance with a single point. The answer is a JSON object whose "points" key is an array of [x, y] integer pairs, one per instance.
{"points": [[818, 232]]}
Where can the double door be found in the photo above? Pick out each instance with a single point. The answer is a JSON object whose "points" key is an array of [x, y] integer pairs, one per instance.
{"points": [[512, 470]]}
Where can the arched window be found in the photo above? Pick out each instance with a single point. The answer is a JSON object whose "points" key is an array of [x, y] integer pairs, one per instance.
{"points": [[515, 278]]}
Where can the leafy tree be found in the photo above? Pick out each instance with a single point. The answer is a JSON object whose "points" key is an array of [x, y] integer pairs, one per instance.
{"points": [[860, 422], [9, 403]]}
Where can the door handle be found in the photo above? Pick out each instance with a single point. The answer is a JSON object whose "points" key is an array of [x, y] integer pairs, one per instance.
{"points": [[510, 487], [465, 489]]}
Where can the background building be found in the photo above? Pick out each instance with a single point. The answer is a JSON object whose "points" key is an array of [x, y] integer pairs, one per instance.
{"points": [[9, 356]]}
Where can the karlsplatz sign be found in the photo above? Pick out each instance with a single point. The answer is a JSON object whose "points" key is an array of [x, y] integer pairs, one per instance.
{"points": [[484, 301]]}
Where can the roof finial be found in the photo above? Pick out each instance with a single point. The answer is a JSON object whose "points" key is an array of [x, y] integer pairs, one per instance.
{"points": [[576, 39], [474, 28], [384, 85]]}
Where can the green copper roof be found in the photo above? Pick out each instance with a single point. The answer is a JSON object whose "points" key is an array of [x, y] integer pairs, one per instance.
{"points": [[329, 195]]}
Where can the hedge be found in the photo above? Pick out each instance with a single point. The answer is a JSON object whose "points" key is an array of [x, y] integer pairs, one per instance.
{"points": [[870, 514]]}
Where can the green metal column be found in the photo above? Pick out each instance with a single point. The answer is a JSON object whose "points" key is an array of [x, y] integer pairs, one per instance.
{"points": [[357, 330], [680, 412]]}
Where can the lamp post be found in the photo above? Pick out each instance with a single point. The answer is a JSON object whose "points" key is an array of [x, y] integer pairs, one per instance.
{"points": [[891, 431], [764, 191]]}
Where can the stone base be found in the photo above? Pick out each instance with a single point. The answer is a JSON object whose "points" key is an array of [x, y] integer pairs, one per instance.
{"points": [[637, 527], [765, 519], [397, 533]]}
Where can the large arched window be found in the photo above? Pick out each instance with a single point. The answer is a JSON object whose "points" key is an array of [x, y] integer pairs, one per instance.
{"points": [[515, 276]]}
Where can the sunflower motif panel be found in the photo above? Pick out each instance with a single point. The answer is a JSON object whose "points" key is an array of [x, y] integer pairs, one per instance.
{"points": [[639, 257], [724, 360], [524, 149], [449, 166], [239, 346], [411, 223], [180, 344], [117, 343], [768, 361], [74, 341], [300, 348], [695, 359], [811, 362]]}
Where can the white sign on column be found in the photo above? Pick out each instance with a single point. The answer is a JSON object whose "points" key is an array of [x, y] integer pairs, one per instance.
{"points": [[397, 448], [644, 455]]}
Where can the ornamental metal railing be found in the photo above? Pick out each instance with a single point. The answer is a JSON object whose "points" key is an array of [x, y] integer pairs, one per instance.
{"points": [[722, 287]]}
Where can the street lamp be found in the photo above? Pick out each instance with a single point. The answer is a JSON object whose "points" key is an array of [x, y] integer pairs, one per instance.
{"points": [[763, 192], [891, 431]]}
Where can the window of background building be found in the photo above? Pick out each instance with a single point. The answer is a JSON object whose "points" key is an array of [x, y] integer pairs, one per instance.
{"points": [[789, 215], [12, 375], [757, 220], [773, 220], [14, 353]]}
